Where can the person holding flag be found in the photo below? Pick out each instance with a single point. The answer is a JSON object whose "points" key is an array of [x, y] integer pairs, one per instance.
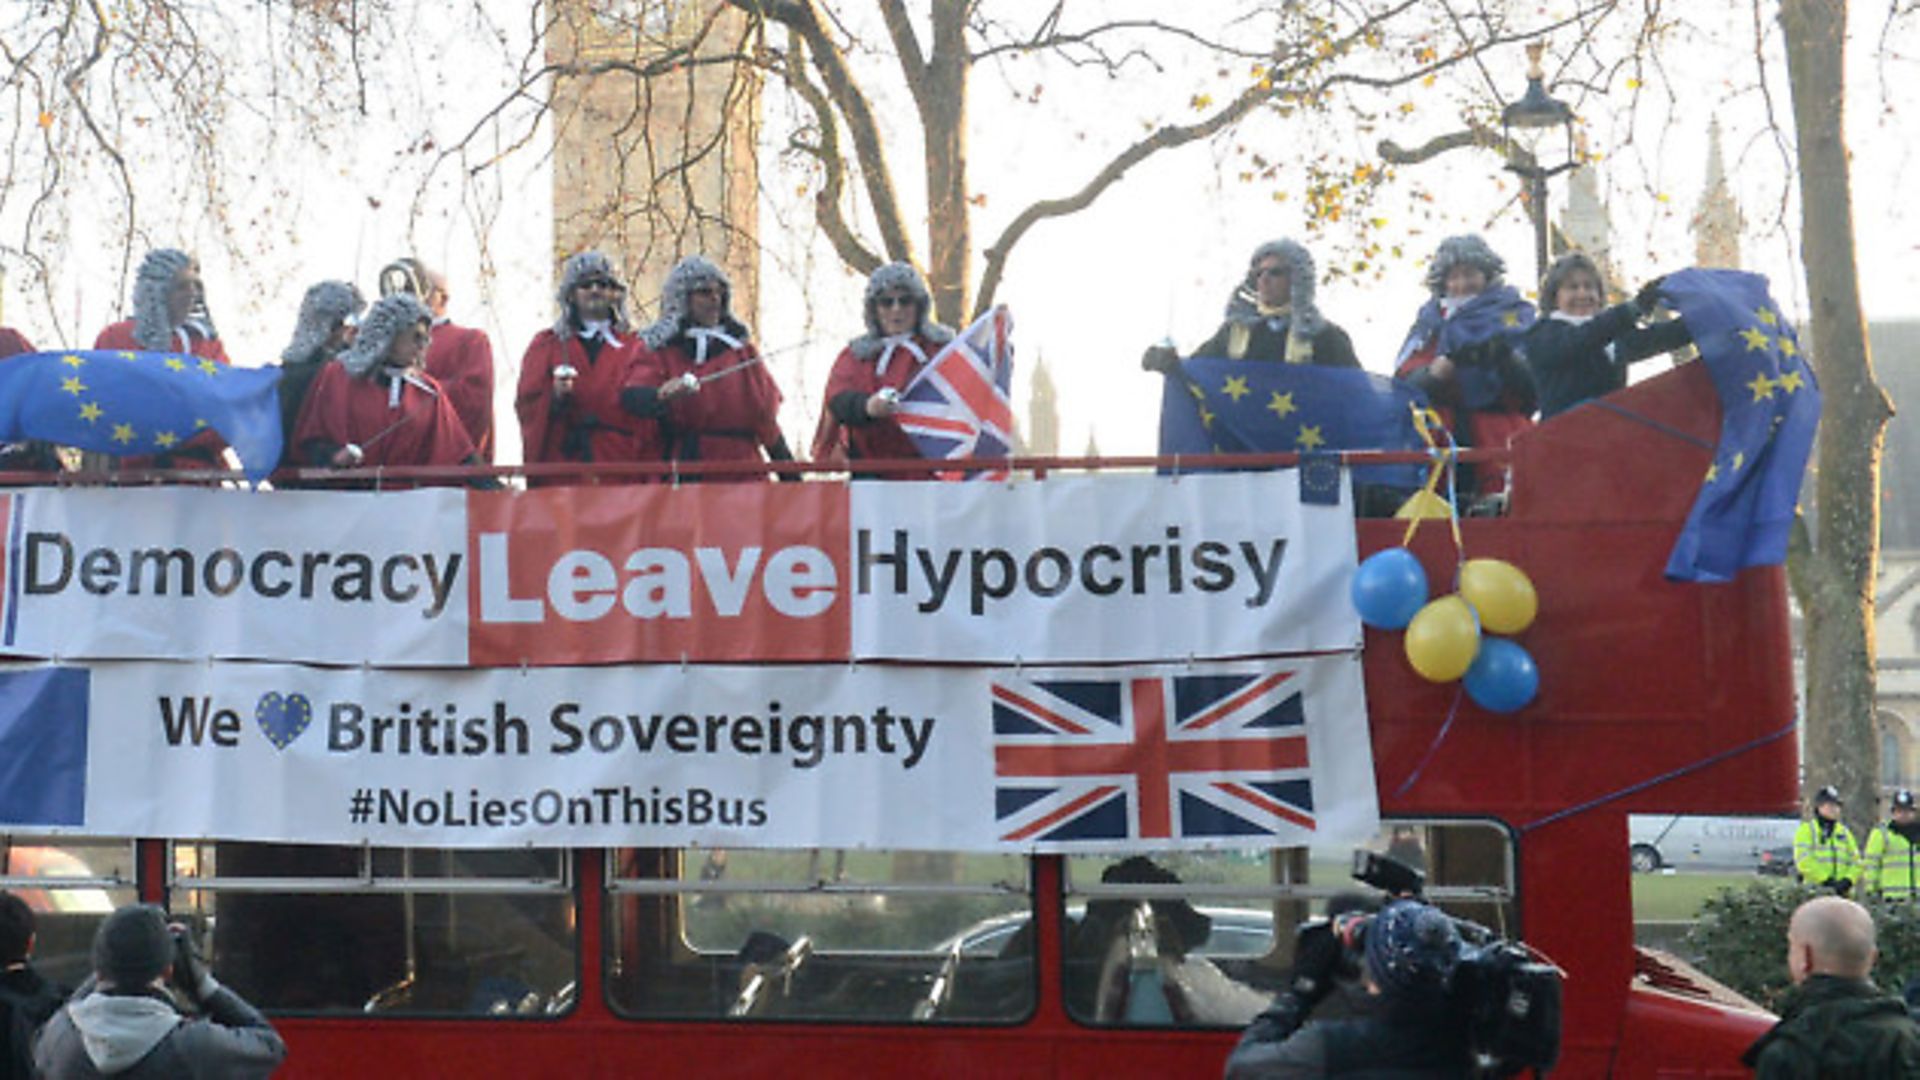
{"points": [[1891, 866], [1460, 353], [375, 405], [1272, 316], [574, 372], [1578, 350], [701, 377], [860, 421], [170, 316]]}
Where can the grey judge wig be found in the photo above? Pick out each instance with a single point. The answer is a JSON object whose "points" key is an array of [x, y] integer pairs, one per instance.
{"points": [[897, 277], [152, 329], [326, 305], [1306, 318], [1469, 250], [389, 316], [687, 275], [579, 268]]}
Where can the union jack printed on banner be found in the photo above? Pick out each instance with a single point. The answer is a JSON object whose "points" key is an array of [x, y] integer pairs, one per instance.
{"points": [[1178, 756], [959, 405]]}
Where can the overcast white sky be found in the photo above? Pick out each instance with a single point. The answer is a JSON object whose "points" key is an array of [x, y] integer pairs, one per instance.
{"points": [[1155, 257]]}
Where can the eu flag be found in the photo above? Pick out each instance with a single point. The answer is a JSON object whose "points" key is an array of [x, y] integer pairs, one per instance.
{"points": [[43, 747], [1770, 408], [141, 403], [1214, 405]]}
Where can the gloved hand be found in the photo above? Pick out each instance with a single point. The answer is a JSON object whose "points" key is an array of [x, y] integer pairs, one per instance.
{"points": [[1164, 359], [1648, 297], [1843, 886], [1316, 958]]}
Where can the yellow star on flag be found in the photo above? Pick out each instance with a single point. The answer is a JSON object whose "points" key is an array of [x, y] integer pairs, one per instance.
{"points": [[1282, 404], [1791, 382], [72, 385], [1761, 386], [123, 433], [198, 424], [1739, 459], [1309, 437], [1767, 316], [1713, 472], [1198, 394], [127, 354], [174, 363], [1236, 388], [1755, 338], [165, 440], [1511, 318], [1206, 418], [1787, 347], [90, 412], [73, 361], [209, 367]]}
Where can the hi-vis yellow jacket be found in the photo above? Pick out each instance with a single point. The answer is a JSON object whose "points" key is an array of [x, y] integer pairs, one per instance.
{"points": [[1892, 864], [1819, 861]]}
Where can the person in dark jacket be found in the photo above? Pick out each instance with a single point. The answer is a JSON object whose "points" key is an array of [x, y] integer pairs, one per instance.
{"points": [[329, 315], [122, 1023], [1411, 1031], [27, 998], [1577, 350], [1835, 1022], [1272, 316]]}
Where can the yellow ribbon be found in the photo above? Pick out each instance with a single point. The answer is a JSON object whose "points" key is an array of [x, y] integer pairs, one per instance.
{"points": [[1433, 431]]}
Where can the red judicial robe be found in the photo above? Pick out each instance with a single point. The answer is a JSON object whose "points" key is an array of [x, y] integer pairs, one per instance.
{"points": [[422, 430], [204, 450], [872, 439], [460, 358], [733, 418], [589, 424]]}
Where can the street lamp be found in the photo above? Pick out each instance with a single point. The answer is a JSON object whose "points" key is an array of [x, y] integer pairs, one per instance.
{"points": [[1534, 114]]}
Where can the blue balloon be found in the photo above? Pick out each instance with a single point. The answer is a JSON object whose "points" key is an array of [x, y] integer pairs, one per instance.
{"points": [[1389, 589], [1503, 677]]}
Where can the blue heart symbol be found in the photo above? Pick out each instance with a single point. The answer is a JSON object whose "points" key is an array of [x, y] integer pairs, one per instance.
{"points": [[283, 718]]}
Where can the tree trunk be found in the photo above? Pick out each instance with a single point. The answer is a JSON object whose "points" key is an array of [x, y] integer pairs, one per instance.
{"points": [[1836, 576], [944, 120]]}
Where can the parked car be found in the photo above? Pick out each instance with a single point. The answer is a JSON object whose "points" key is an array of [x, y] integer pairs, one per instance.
{"points": [[1776, 861], [1688, 842]]}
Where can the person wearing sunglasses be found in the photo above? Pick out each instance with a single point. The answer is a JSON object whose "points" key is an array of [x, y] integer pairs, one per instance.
{"points": [[858, 422], [702, 379], [573, 373], [1272, 316], [375, 405]]}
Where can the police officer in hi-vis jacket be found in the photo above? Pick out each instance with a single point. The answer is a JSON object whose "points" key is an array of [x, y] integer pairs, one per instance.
{"points": [[1824, 851], [1892, 863]]}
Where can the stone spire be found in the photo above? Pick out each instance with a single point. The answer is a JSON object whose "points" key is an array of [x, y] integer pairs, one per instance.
{"points": [[1043, 413], [1716, 220], [1586, 225]]}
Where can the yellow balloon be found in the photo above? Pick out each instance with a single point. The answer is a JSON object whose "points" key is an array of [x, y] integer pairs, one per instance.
{"points": [[1501, 592], [1424, 504], [1443, 639]]}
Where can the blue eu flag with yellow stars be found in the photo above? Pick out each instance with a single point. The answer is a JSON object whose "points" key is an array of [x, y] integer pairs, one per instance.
{"points": [[141, 403], [1770, 409], [1215, 405]]}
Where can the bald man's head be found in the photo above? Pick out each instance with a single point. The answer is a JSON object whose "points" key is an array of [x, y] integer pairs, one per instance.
{"points": [[1830, 936]]}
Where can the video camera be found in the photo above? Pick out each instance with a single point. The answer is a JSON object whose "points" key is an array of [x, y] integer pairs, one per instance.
{"points": [[1506, 996]]}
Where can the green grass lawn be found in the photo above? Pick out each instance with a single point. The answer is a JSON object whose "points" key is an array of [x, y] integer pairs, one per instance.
{"points": [[1678, 895]]}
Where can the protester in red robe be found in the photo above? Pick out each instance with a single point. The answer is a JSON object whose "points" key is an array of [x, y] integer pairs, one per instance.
{"points": [[573, 373], [701, 377], [170, 315], [858, 421], [460, 357], [376, 406]]}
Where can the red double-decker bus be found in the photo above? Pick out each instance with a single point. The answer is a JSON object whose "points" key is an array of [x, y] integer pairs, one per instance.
{"points": [[825, 962]]}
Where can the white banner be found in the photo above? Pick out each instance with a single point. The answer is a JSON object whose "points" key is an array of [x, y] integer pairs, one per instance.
{"points": [[1146, 758], [1100, 567], [333, 577]]}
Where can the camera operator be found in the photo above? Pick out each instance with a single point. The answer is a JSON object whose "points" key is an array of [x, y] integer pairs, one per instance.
{"points": [[1410, 1027], [123, 1023]]}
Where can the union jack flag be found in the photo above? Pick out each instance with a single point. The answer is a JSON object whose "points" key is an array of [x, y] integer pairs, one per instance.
{"points": [[959, 405], [1146, 758]]}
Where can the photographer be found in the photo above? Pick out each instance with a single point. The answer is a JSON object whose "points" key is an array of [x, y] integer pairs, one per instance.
{"points": [[1410, 1028], [122, 1022]]}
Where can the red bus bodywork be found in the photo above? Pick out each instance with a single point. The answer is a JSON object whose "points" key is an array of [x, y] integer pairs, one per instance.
{"points": [[1654, 696]]}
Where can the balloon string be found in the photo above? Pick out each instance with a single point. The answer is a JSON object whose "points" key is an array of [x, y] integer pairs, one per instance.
{"points": [[1433, 747]]}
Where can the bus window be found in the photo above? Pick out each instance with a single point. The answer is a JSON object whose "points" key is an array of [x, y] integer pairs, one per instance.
{"points": [[850, 936], [1205, 938], [71, 883], [384, 930]]}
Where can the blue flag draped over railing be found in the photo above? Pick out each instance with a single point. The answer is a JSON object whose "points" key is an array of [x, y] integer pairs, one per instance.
{"points": [[1770, 409], [1214, 405], [141, 403]]}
